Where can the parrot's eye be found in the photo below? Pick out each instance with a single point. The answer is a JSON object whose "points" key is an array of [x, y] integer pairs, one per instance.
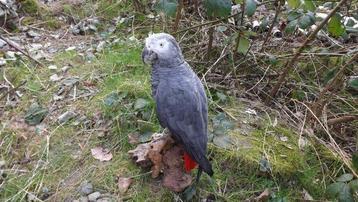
{"points": [[161, 44]]}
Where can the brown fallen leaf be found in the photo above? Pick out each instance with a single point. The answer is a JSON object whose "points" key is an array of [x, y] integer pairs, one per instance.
{"points": [[264, 196], [175, 178], [123, 184], [163, 157], [101, 154]]}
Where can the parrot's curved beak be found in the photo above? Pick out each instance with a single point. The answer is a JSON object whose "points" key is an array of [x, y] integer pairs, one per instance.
{"points": [[148, 56]]}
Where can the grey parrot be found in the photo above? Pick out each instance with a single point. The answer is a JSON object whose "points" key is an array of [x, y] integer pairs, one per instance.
{"points": [[180, 98]]}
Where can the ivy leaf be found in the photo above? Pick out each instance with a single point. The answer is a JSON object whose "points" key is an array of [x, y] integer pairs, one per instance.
{"points": [[250, 7], [35, 114], [345, 194], [345, 177], [355, 154], [291, 26], [335, 26], [307, 20], [244, 45], [353, 84], [140, 103], [294, 3], [293, 15], [218, 8], [309, 5], [168, 7], [334, 189], [223, 141], [354, 185]]}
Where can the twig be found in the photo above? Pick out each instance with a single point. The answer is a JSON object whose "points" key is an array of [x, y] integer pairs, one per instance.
{"points": [[290, 64], [20, 50], [178, 15], [206, 23], [342, 119], [12, 90], [278, 10], [241, 24], [317, 106]]}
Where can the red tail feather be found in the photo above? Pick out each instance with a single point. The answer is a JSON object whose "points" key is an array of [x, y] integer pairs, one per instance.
{"points": [[189, 164]]}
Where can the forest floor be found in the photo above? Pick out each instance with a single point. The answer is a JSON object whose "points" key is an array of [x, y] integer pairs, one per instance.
{"points": [[93, 91]]}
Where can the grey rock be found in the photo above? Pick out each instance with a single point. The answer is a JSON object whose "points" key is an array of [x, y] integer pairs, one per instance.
{"points": [[83, 199], [2, 62], [94, 196], [63, 118], [33, 34], [2, 43], [85, 188]]}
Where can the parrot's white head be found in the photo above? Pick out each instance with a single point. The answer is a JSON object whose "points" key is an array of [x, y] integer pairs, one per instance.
{"points": [[162, 48]]}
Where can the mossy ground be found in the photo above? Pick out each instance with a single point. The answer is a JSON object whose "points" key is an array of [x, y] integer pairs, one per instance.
{"points": [[60, 159]]}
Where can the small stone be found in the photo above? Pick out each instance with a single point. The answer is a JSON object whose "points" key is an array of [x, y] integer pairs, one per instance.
{"points": [[35, 47], [100, 46], [94, 196], [85, 188], [83, 199], [31, 197], [2, 43], [65, 68], [52, 67], [71, 48], [55, 77], [106, 199], [283, 138], [63, 118], [2, 163], [10, 54], [33, 34], [2, 62]]}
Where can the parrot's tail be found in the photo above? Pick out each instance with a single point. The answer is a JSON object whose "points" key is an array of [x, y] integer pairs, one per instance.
{"points": [[189, 163]]}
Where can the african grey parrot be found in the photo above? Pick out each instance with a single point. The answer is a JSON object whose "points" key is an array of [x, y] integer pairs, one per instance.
{"points": [[180, 99]]}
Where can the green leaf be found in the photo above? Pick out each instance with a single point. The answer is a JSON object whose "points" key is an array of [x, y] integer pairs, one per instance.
{"points": [[291, 27], [244, 45], [221, 124], [223, 141], [309, 5], [329, 75], [335, 26], [145, 137], [353, 84], [250, 7], [293, 15], [306, 21], [140, 103], [355, 154], [294, 3], [345, 195], [35, 114], [113, 99], [222, 97], [218, 8], [168, 7], [265, 165], [354, 185], [334, 189], [345, 177]]}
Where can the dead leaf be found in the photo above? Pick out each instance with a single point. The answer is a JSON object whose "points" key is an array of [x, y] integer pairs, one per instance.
{"points": [[123, 184], [101, 154], [264, 196], [175, 178]]}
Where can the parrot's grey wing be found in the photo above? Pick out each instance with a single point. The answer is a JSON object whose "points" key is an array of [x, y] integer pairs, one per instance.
{"points": [[180, 108]]}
